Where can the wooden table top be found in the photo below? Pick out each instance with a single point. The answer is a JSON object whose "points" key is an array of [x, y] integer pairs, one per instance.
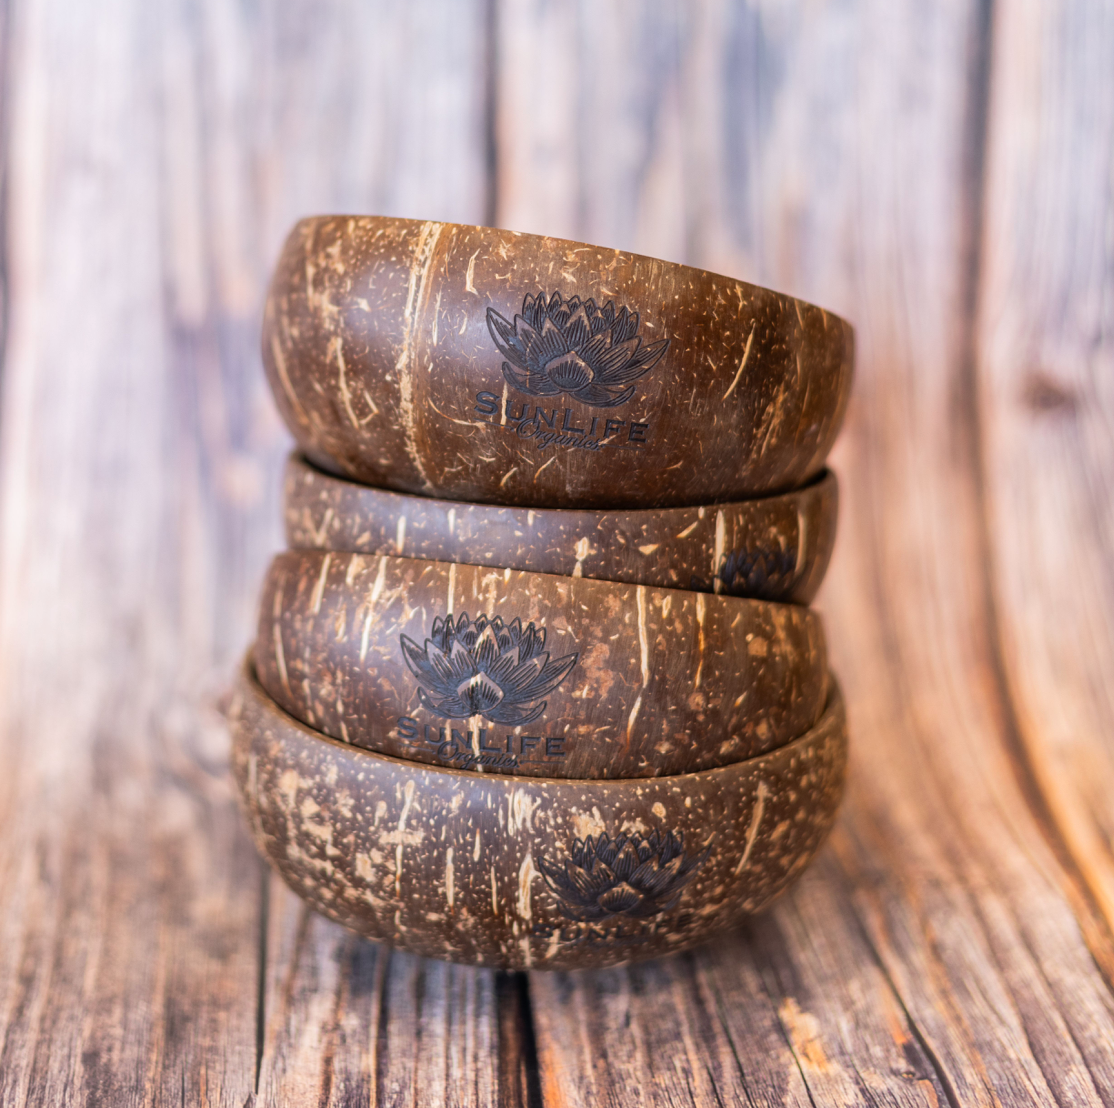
{"points": [[939, 174]]}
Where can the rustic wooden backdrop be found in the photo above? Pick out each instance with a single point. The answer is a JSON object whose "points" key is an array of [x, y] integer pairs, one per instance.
{"points": [[941, 173]]}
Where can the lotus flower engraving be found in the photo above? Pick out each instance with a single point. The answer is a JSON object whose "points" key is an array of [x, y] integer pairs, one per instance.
{"points": [[758, 572], [625, 876], [485, 668], [573, 346]]}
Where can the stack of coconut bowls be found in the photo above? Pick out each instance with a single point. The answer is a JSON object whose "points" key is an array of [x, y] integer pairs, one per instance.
{"points": [[536, 683]]}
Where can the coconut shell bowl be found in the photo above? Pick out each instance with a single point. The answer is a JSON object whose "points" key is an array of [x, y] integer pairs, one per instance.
{"points": [[548, 677], [488, 366], [534, 872], [536, 684], [772, 548]]}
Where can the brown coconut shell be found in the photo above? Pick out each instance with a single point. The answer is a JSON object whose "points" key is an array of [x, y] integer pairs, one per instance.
{"points": [[531, 674], [534, 873], [772, 548], [483, 365]]}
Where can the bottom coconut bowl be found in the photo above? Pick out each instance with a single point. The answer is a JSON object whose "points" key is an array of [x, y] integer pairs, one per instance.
{"points": [[541, 873]]}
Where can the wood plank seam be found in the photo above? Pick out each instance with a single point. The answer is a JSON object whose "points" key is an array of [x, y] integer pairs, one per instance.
{"points": [[491, 112], [329, 1048], [525, 1049], [379, 1061], [261, 984]]}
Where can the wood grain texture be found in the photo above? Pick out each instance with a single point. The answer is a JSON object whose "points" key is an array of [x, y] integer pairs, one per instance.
{"points": [[353, 1022], [747, 1021], [128, 949], [1046, 392], [952, 945], [848, 171], [155, 158]]}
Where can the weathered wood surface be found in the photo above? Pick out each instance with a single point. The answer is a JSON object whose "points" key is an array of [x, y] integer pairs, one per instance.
{"points": [[155, 157], [953, 943], [1046, 400], [862, 181]]}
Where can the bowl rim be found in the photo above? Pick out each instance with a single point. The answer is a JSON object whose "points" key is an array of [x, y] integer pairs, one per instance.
{"points": [[557, 242], [825, 482], [834, 711]]}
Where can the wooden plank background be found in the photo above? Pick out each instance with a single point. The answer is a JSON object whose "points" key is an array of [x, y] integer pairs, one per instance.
{"points": [[942, 174]]}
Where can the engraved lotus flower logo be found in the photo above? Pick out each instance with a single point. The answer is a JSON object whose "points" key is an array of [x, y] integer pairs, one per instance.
{"points": [[758, 572], [485, 668], [575, 347], [625, 876]]}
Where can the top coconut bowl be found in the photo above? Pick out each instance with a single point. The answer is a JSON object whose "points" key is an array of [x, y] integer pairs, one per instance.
{"points": [[484, 365]]}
